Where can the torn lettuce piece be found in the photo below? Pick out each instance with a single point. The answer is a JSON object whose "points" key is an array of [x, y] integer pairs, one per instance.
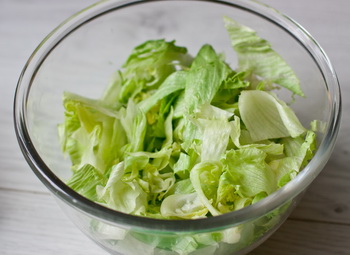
{"points": [[181, 187], [207, 72], [182, 166], [210, 112], [91, 133], [299, 151], [85, 180], [302, 147], [159, 131], [215, 138], [267, 117], [256, 56], [251, 174], [210, 127], [123, 196], [137, 161], [135, 125], [173, 83], [147, 67], [205, 178], [230, 88], [227, 196], [183, 206]]}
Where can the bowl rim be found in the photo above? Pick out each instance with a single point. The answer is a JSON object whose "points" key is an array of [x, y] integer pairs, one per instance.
{"points": [[273, 201]]}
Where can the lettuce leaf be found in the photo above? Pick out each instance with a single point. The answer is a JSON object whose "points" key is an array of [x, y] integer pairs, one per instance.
{"points": [[91, 133], [85, 180], [134, 123], [299, 151], [148, 65], [175, 82], [204, 178], [215, 138], [250, 172], [267, 117], [255, 56], [184, 206], [207, 72], [124, 196]]}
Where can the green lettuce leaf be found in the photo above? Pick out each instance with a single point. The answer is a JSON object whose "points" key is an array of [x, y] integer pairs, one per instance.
{"points": [[123, 196], [299, 151], [147, 67], [181, 187], [159, 125], [175, 82], [135, 125], [205, 178], [207, 72], [256, 56], [267, 117], [184, 206], [251, 174], [85, 180], [215, 138], [182, 166], [227, 195], [91, 133]]}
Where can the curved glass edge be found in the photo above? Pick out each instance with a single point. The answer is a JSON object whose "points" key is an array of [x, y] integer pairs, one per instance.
{"points": [[237, 240], [287, 192]]}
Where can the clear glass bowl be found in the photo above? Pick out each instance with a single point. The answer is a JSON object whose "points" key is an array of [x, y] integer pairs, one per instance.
{"points": [[80, 56]]}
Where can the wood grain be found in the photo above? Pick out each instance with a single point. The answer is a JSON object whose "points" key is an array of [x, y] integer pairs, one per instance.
{"points": [[32, 223], [307, 237], [327, 199]]}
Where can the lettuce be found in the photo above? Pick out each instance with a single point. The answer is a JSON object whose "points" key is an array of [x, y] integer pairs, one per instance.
{"points": [[127, 197], [208, 71], [86, 180], [250, 172], [267, 117], [148, 65], [182, 137], [185, 206], [91, 133], [256, 57]]}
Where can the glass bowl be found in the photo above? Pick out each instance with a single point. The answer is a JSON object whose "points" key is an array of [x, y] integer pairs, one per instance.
{"points": [[80, 56]]}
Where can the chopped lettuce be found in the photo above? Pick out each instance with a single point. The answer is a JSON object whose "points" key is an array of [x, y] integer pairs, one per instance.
{"points": [[186, 206], [128, 197], [250, 172], [91, 133], [207, 73], [148, 65], [267, 117], [256, 57], [86, 180], [182, 137]]}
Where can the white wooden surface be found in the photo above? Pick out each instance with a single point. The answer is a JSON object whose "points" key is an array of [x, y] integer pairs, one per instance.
{"points": [[31, 222]]}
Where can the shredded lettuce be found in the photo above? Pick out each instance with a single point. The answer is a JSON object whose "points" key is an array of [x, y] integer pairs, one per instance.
{"points": [[86, 180], [256, 57], [267, 117], [182, 137]]}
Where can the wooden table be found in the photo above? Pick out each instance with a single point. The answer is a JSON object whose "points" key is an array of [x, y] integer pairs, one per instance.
{"points": [[31, 222]]}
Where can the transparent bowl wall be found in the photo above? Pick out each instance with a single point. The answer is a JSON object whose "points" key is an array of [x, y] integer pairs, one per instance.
{"points": [[81, 55]]}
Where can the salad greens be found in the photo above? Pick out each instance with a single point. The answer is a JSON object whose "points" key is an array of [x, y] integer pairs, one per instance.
{"points": [[182, 137]]}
